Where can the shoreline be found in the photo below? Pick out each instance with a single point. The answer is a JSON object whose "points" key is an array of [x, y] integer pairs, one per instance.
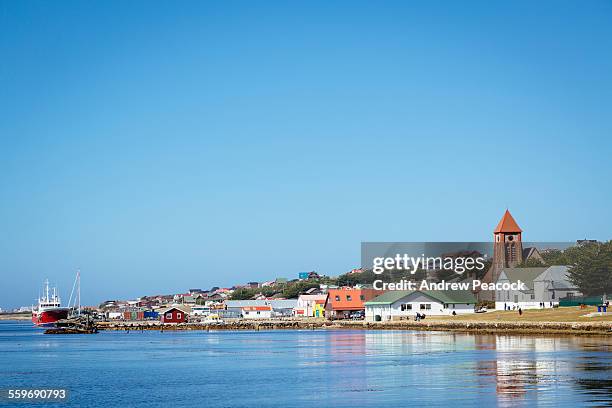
{"points": [[16, 316], [475, 327], [593, 328]]}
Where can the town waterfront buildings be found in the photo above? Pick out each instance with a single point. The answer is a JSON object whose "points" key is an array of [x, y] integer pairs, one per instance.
{"points": [[544, 287]]}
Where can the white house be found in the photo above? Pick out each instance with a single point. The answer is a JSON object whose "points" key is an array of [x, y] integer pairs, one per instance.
{"points": [[544, 286], [397, 304], [256, 312], [200, 310], [115, 315], [307, 305]]}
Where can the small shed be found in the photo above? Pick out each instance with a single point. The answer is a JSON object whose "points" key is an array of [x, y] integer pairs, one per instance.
{"points": [[174, 314]]}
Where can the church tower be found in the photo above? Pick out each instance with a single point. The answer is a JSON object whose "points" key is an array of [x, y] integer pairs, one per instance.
{"points": [[507, 244], [507, 252]]}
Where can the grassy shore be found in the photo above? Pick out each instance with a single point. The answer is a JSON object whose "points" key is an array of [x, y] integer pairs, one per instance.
{"points": [[561, 314], [566, 320]]}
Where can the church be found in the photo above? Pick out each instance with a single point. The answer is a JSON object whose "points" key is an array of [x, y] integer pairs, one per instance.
{"points": [[508, 251], [545, 285]]}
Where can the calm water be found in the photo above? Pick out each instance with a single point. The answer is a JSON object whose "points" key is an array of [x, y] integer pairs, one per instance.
{"points": [[308, 368]]}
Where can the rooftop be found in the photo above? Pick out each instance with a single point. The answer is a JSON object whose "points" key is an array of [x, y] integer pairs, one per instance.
{"points": [[444, 296], [507, 224]]}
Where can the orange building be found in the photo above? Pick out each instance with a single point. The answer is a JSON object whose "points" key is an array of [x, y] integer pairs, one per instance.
{"points": [[346, 302]]}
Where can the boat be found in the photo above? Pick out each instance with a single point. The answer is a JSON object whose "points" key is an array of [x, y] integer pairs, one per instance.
{"points": [[49, 309]]}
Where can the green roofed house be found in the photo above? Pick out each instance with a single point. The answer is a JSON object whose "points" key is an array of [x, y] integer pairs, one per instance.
{"points": [[398, 304]]}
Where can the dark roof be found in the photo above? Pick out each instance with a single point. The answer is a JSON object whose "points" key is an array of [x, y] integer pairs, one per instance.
{"points": [[527, 252]]}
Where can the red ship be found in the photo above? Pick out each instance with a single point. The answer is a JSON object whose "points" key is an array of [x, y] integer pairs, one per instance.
{"points": [[49, 308]]}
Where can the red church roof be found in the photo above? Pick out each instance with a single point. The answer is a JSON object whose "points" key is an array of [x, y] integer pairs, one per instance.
{"points": [[507, 224]]}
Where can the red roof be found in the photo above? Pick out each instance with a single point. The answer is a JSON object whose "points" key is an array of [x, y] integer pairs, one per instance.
{"points": [[507, 224], [255, 308], [350, 298]]}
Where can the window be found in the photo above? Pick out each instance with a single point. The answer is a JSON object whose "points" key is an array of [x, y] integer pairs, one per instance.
{"points": [[425, 306], [362, 298], [349, 298], [405, 306], [168, 315], [258, 312], [337, 298], [179, 316]]}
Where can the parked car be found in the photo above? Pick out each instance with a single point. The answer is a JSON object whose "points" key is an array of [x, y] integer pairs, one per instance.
{"points": [[360, 314]]}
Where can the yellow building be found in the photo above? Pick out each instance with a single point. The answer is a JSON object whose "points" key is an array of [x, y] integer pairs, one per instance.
{"points": [[319, 308]]}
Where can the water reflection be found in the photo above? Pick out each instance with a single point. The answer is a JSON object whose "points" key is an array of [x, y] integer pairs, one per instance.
{"points": [[311, 368], [505, 370]]}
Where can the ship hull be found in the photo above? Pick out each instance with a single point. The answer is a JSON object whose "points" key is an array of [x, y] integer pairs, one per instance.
{"points": [[49, 317]]}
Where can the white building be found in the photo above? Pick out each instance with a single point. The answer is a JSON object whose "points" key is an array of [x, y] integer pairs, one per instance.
{"points": [[115, 315], [200, 310], [397, 304], [544, 286], [307, 305], [257, 312]]}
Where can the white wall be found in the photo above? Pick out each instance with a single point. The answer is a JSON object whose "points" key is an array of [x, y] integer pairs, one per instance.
{"points": [[252, 314], [115, 315], [530, 300], [415, 300]]}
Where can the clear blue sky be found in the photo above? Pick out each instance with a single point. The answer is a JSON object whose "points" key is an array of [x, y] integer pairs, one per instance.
{"points": [[161, 145]]}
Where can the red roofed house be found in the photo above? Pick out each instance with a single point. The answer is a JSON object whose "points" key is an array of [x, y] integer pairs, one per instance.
{"points": [[174, 314], [345, 302], [256, 312]]}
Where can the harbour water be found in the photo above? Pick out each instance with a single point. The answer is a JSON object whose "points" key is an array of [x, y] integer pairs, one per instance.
{"points": [[333, 368]]}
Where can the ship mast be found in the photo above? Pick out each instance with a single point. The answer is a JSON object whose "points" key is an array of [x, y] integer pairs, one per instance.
{"points": [[77, 299], [79, 290]]}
